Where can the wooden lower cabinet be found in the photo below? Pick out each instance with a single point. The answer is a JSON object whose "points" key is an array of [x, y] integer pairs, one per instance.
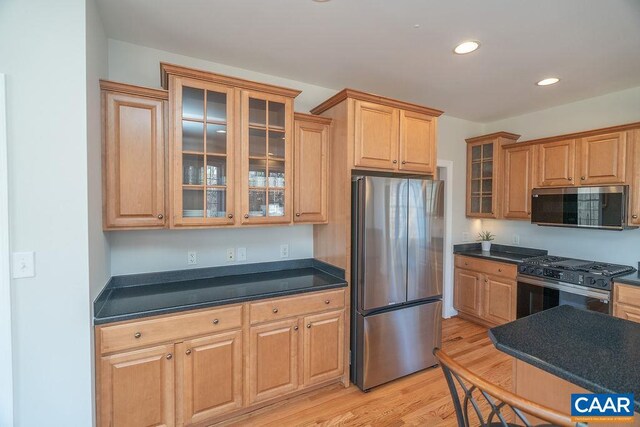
{"points": [[211, 376], [273, 360], [626, 302], [202, 377], [323, 347], [467, 292], [137, 388], [499, 303], [485, 291]]}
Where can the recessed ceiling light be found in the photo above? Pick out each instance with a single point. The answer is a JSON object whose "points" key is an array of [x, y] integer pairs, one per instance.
{"points": [[466, 47], [416, 25], [548, 81], [320, 1]]}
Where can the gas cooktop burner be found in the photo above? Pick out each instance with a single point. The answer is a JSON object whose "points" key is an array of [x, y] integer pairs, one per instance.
{"points": [[576, 271]]}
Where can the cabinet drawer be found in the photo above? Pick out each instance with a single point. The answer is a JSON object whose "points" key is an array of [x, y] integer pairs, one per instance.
{"points": [[146, 332], [295, 306], [486, 267], [627, 312], [629, 295]]}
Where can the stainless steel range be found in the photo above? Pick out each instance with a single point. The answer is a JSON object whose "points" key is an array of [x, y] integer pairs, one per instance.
{"points": [[548, 281]]}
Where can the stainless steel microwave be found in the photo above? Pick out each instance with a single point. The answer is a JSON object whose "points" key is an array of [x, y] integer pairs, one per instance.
{"points": [[582, 207]]}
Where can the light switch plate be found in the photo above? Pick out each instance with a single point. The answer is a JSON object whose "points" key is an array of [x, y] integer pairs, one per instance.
{"points": [[284, 251], [192, 258], [231, 255], [23, 265], [242, 254]]}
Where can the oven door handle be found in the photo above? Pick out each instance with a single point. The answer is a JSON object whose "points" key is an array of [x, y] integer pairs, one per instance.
{"points": [[567, 287]]}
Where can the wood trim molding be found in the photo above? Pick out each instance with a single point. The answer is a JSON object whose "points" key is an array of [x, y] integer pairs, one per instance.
{"points": [[177, 70], [578, 135], [311, 118], [133, 90], [377, 99], [501, 134]]}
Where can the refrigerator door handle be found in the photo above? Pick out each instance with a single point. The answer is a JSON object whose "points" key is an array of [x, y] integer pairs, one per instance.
{"points": [[359, 208]]}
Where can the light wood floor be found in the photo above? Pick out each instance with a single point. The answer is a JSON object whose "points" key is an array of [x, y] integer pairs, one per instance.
{"points": [[420, 399]]}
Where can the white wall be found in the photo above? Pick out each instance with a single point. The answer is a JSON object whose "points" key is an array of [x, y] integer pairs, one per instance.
{"points": [[608, 110], [43, 55]]}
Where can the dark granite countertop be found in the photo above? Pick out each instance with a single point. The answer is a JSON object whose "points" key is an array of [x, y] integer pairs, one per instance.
{"points": [[598, 352], [142, 295], [629, 279], [502, 253]]}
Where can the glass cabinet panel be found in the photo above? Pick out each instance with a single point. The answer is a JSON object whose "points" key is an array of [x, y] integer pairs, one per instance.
{"points": [[204, 153], [481, 179], [267, 163]]}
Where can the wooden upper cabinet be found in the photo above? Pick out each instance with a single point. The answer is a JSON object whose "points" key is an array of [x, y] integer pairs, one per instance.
{"points": [[417, 142], [137, 388], [518, 181], [202, 152], [557, 163], [211, 376], [385, 134], [603, 159], [323, 347], [267, 152], [376, 136], [273, 360], [133, 156], [311, 169], [484, 173]]}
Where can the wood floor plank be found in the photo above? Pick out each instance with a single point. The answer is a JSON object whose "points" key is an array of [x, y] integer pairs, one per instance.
{"points": [[420, 399]]}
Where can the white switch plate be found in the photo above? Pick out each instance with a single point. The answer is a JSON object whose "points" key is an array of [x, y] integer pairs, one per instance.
{"points": [[284, 251], [192, 258], [23, 265], [516, 239], [465, 236], [242, 254], [231, 255]]}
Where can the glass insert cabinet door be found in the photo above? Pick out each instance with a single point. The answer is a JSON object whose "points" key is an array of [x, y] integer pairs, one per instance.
{"points": [[267, 147], [481, 179], [202, 153]]}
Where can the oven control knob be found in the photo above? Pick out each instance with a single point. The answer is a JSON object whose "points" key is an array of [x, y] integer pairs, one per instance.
{"points": [[522, 268], [538, 271], [602, 283], [531, 270]]}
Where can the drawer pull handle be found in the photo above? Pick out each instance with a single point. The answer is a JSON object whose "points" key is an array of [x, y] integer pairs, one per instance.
{"points": [[297, 213], [404, 162], [230, 216], [634, 216], [308, 325], [160, 216], [582, 178], [295, 328], [215, 321], [137, 335], [169, 356], [327, 301], [188, 352], [395, 161], [499, 270], [570, 178], [275, 310], [246, 215]]}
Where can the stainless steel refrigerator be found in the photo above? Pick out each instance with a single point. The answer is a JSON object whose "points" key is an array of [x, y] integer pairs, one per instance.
{"points": [[397, 246]]}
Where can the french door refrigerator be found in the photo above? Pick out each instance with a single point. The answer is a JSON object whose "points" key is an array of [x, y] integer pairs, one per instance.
{"points": [[397, 246]]}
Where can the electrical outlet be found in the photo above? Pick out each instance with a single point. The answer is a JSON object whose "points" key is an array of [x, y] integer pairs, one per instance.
{"points": [[192, 258], [231, 255], [284, 251], [516, 239], [242, 254], [466, 237], [23, 265]]}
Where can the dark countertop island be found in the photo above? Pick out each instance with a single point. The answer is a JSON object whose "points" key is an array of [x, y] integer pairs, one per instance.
{"points": [[142, 295], [595, 351], [500, 253]]}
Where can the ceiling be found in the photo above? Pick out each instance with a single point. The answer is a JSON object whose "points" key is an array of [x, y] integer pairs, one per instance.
{"points": [[373, 45]]}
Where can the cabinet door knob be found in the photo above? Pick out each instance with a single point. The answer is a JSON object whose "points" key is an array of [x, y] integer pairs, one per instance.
{"points": [[188, 352], [582, 178], [215, 321], [327, 301], [169, 356], [308, 325], [499, 270], [297, 213], [395, 161], [275, 310], [160, 216], [246, 215], [570, 178], [634, 216], [230, 216], [295, 328], [137, 335], [486, 281], [404, 162]]}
